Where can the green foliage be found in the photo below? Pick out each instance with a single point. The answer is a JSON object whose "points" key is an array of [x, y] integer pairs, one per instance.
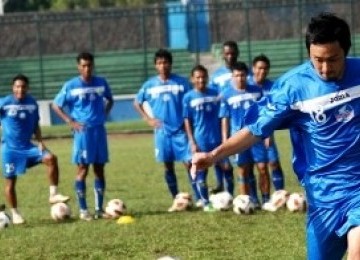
{"points": [[135, 177]]}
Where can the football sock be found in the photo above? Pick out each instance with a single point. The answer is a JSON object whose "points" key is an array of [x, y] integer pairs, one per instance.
{"points": [[265, 197], [219, 175], [202, 186], [253, 187], [53, 190], [229, 180], [80, 188], [278, 179], [194, 188], [99, 189], [242, 180], [171, 182]]}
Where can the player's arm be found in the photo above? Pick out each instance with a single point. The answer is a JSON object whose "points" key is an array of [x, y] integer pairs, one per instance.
{"points": [[237, 143], [60, 112], [108, 105], [224, 129], [153, 122], [38, 137], [189, 133]]}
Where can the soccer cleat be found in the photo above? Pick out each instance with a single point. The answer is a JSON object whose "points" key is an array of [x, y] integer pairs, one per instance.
{"points": [[199, 204], [268, 206], [58, 198], [209, 208], [17, 219], [85, 215], [100, 214]]}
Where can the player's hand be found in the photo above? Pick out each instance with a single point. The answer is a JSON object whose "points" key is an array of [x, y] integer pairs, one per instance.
{"points": [[76, 126], [200, 161], [153, 122]]}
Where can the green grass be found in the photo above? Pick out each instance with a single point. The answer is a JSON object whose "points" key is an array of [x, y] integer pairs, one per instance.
{"points": [[135, 177]]}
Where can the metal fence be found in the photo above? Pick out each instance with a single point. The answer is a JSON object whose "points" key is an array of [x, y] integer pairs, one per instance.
{"points": [[44, 45]]}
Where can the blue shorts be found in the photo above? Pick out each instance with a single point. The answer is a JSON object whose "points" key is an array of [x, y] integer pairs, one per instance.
{"points": [[257, 153], [15, 162], [171, 147], [327, 229], [272, 152], [90, 146]]}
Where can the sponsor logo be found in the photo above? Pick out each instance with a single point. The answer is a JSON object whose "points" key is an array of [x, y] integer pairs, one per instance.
{"points": [[344, 114], [339, 97]]}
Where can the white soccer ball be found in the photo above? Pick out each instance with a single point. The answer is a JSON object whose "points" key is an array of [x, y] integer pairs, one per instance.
{"points": [[243, 205], [115, 208], [296, 202], [222, 200], [182, 201], [4, 220], [279, 198], [60, 211]]}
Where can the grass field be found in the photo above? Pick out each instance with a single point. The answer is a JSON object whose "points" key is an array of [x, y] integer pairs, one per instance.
{"points": [[133, 176]]}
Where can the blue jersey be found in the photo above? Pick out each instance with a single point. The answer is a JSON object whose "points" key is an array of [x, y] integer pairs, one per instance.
{"points": [[165, 100], [324, 120], [265, 87], [202, 109], [220, 78], [234, 104], [85, 100], [19, 119]]}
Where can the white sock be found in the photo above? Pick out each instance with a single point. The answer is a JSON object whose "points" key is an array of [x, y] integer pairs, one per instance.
{"points": [[14, 211], [53, 190]]}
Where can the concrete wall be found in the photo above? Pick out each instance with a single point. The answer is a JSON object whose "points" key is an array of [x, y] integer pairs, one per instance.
{"points": [[123, 110]]}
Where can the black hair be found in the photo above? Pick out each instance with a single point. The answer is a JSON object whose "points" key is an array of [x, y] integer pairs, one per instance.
{"points": [[328, 28], [163, 54], [85, 56], [262, 57], [21, 77], [240, 66], [233, 45], [199, 67]]}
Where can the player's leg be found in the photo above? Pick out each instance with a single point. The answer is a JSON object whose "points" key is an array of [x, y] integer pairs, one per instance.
{"points": [[51, 162], [353, 238], [243, 161], [80, 188], [253, 187], [259, 154], [219, 178], [201, 183], [170, 178], [228, 175], [11, 198], [197, 197], [275, 166], [99, 190]]}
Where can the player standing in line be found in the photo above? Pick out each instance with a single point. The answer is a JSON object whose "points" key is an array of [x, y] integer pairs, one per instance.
{"points": [[164, 94], [319, 102], [236, 100], [89, 100], [260, 71], [219, 80], [19, 114], [201, 109]]}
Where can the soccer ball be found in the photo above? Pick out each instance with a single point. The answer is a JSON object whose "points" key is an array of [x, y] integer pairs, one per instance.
{"points": [[115, 208], [243, 205], [296, 202], [60, 211], [4, 220], [182, 201], [222, 200], [279, 198]]}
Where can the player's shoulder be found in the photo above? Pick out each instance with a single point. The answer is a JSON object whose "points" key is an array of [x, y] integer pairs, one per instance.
{"points": [[153, 80], [178, 78]]}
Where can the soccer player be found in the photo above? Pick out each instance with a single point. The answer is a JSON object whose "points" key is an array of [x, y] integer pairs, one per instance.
{"points": [[164, 94], [88, 99], [219, 80], [19, 115], [236, 100], [320, 102], [260, 71], [201, 109]]}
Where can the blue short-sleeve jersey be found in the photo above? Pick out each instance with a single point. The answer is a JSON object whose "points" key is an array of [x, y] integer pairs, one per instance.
{"points": [[234, 104], [265, 87], [165, 100], [85, 100], [202, 109], [19, 119], [324, 121], [220, 78]]}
